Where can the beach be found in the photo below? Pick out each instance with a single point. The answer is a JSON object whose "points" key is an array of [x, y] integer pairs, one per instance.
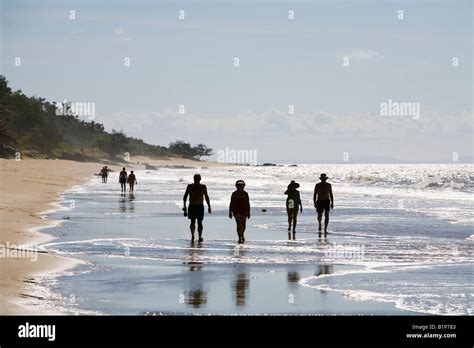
{"points": [[399, 242], [32, 188]]}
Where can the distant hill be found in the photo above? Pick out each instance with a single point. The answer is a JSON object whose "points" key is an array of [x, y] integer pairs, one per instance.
{"points": [[32, 127]]}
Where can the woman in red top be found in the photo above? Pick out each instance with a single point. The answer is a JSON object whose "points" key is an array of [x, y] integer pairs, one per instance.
{"points": [[240, 208]]}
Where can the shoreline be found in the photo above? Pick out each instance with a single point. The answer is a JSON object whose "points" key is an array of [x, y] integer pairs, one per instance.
{"points": [[25, 290], [35, 189]]}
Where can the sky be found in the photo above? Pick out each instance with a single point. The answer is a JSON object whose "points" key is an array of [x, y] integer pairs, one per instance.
{"points": [[309, 85]]}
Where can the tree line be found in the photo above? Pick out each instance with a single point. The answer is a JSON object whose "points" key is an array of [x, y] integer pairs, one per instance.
{"points": [[31, 126]]}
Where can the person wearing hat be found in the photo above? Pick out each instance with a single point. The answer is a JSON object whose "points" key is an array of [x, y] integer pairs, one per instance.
{"points": [[323, 201], [293, 203], [239, 207], [197, 192]]}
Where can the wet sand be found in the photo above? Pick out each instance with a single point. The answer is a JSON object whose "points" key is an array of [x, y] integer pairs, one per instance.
{"points": [[32, 187]]}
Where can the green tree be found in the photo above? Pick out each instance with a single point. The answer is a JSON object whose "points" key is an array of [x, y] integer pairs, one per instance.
{"points": [[201, 150], [181, 148], [8, 142]]}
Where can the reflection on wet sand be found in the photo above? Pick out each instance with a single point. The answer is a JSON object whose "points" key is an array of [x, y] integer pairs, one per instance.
{"points": [[241, 286], [324, 269], [131, 199], [195, 252], [293, 277], [196, 298], [123, 204], [323, 238], [239, 251]]}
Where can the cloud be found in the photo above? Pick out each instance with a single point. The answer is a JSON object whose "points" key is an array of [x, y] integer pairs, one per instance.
{"points": [[119, 31], [279, 123], [364, 55]]}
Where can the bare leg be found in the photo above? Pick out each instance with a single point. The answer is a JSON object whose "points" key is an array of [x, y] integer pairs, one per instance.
{"points": [[320, 217], [240, 228], [288, 211], [193, 228], [243, 221], [326, 221], [200, 228]]}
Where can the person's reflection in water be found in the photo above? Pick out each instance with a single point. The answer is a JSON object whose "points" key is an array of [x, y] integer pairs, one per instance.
{"points": [[241, 286], [324, 239], [197, 296], [195, 252], [293, 278], [239, 252], [324, 269], [123, 204], [131, 199]]}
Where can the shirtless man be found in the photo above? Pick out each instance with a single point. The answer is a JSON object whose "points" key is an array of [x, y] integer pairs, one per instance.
{"points": [[323, 201], [123, 180], [195, 211]]}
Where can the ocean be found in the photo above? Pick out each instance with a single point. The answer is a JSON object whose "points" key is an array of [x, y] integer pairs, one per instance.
{"points": [[400, 242]]}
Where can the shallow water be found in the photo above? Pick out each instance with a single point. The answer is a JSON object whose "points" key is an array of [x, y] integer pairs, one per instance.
{"points": [[400, 242]]}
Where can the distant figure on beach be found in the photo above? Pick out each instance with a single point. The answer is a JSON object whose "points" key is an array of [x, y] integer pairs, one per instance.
{"points": [[132, 180], [123, 180], [323, 201], [239, 207], [104, 173], [197, 192], [293, 204]]}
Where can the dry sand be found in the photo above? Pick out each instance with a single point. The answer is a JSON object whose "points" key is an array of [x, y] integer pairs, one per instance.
{"points": [[32, 187]]}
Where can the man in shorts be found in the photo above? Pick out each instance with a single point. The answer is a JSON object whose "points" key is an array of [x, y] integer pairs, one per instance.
{"points": [[323, 201], [196, 192]]}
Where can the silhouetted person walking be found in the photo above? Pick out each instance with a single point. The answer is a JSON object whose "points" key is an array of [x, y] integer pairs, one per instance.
{"points": [[104, 174], [239, 207], [197, 192], [323, 201], [132, 180], [293, 204], [123, 180]]}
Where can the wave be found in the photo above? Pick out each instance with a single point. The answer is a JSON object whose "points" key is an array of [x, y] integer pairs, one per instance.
{"points": [[402, 287]]}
